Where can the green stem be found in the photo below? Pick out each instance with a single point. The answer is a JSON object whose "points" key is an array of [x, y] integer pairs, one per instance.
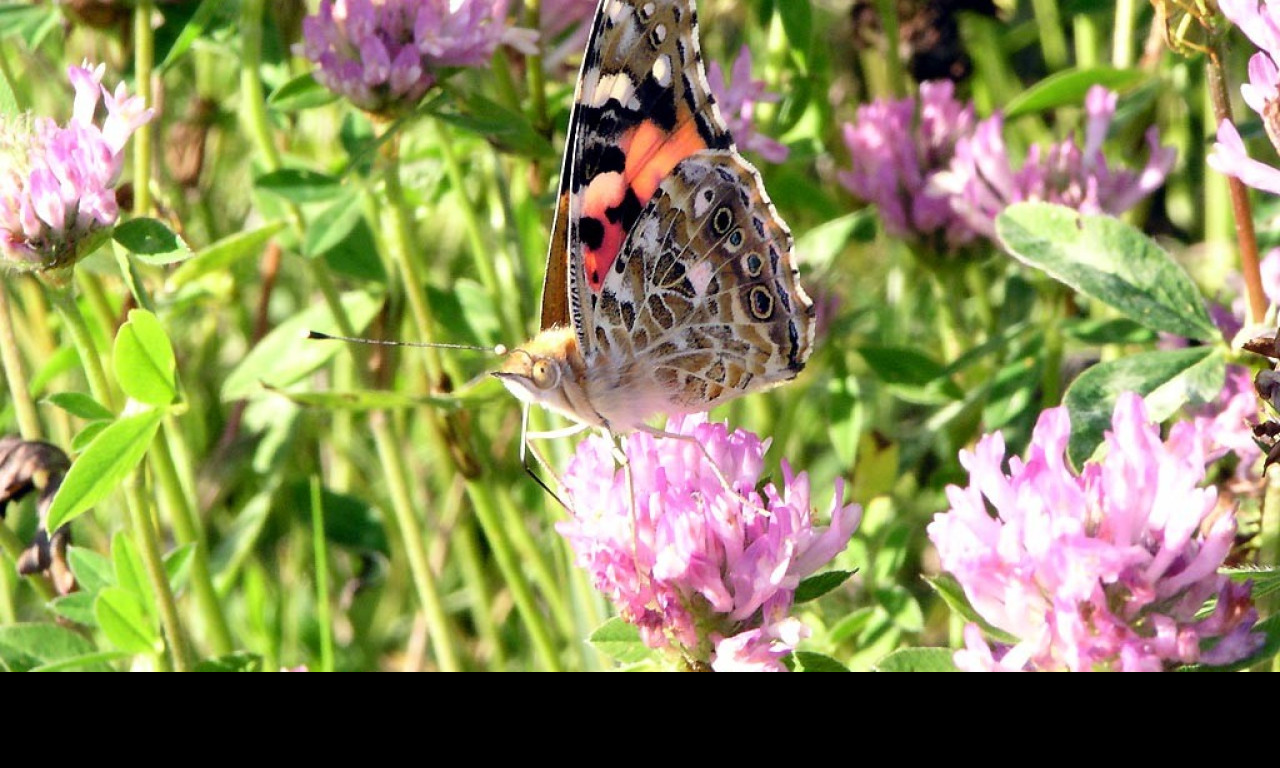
{"points": [[1086, 39], [64, 302], [391, 456], [537, 78], [467, 551], [503, 82], [403, 249], [323, 617], [1053, 43], [481, 256], [1051, 376], [144, 54], [1122, 35], [186, 528], [950, 321], [486, 512], [14, 373], [149, 549], [895, 77], [253, 100], [534, 562]]}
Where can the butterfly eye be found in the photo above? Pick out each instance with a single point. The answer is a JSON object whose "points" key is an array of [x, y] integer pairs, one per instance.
{"points": [[545, 375]]}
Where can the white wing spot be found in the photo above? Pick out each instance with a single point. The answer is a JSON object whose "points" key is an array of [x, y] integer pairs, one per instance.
{"points": [[616, 86], [660, 34], [647, 10], [700, 276], [662, 70]]}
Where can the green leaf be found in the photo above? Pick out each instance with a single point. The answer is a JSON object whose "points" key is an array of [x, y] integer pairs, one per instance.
{"points": [[240, 661], [1167, 379], [224, 253], [124, 621], [152, 241], [302, 92], [1110, 261], [177, 564], [144, 362], [239, 542], [852, 625], [953, 595], [1069, 88], [820, 246], [87, 435], [467, 307], [25, 646], [356, 255], [8, 101], [815, 587], [28, 21], [808, 661], [191, 31], [797, 22], [1113, 331], [92, 570], [81, 406], [130, 575], [90, 662], [300, 186], [77, 606], [914, 376], [1266, 581], [902, 607], [285, 356], [901, 365], [349, 521], [508, 130], [104, 465], [620, 641], [918, 660], [334, 225]]}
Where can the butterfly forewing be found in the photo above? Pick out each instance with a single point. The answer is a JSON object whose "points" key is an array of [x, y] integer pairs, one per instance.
{"points": [[670, 284], [642, 106]]}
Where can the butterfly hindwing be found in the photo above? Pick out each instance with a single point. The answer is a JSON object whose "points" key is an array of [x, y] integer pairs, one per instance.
{"points": [[704, 290]]}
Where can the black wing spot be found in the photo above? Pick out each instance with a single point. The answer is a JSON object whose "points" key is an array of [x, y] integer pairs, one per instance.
{"points": [[754, 265], [756, 220], [761, 302], [627, 212], [591, 231], [722, 220]]}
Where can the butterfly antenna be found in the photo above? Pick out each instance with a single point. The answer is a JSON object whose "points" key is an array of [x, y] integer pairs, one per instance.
{"points": [[499, 349]]}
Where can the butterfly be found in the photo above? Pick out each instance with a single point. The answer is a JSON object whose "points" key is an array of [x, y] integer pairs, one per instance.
{"points": [[670, 286]]}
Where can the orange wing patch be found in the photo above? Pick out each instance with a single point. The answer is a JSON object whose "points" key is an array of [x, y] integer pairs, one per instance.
{"points": [[613, 201]]}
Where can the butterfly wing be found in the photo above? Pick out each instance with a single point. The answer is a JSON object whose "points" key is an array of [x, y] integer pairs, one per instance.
{"points": [[642, 106], [704, 292]]}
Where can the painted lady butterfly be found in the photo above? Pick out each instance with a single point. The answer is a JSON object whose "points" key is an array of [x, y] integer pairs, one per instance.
{"points": [[670, 286]]}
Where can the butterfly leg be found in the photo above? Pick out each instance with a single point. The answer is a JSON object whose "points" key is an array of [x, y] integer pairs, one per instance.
{"points": [[527, 448], [620, 457]]}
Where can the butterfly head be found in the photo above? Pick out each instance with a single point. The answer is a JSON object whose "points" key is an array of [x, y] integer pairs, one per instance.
{"points": [[547, 371]]}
